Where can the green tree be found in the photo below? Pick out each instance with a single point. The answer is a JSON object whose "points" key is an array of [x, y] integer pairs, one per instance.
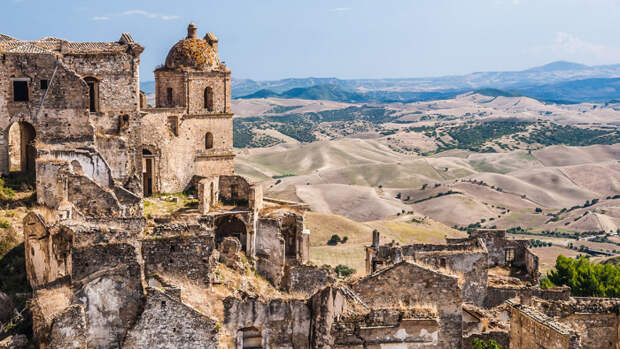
{"points": [[586, 279], [334, 240]]}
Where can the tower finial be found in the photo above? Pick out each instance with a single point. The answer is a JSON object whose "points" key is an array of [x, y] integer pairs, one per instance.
{"points": [[191, 31]]}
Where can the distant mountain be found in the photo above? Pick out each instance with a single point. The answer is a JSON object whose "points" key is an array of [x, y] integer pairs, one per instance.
{"points": [[329, 92], [563, 82], [551, 73], [577, 91], [558, 66]]}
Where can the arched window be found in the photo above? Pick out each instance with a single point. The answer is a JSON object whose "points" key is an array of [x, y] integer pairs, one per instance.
{"points": [[169, 100], [93, 94], [209, 99], [208, 140]]}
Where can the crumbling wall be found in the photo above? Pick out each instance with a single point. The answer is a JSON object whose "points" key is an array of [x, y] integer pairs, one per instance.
{"points": [[208, 193], [407, 285], [597, 320], [182, 256], [306, 279], [234, 189], [270, 259], [48, 251], [166, 322], [106, 280], [532, 329], [282, 323], [472, 265], [496, 295]]}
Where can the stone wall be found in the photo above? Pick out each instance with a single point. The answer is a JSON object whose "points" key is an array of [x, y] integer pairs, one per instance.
{"points": [[181, 156], [472, 265], [183, 256], [219, 82], [532, 329], [387, 327], [407, 285], [498, 294], [166, 322], [306, 279], [279, 323], [597, 320], [270, 259]]}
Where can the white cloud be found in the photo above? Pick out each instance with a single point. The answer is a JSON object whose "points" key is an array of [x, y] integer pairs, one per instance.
{"points": [[569, 46], [100, 18], [149, 15], [340, 9]]}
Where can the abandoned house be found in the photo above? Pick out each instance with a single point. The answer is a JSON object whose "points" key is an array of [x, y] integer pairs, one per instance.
{"points": [[232, 271]]}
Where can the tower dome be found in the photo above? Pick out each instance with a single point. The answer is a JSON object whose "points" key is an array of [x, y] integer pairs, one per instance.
{"points": [[192, 52]]}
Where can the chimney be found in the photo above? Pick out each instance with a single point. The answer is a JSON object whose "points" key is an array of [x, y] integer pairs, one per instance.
{"points": [[191, 31], [375, 239]]}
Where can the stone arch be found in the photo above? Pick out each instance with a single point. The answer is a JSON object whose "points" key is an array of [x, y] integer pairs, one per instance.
{"points": [[22, 150], [230, 226], [93, 93], [208, 140], [208, 98]]}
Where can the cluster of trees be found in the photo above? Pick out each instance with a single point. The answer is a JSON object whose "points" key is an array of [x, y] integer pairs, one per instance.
{"points": [[550, 134], [538, 243], [586, 279]]}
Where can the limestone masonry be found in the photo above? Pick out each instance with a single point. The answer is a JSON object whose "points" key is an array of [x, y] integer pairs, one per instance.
{"points": [[232, 271]]}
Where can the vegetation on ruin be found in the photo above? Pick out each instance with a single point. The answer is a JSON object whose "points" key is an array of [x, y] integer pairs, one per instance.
{"points": [[480, 344], [586, 279]]}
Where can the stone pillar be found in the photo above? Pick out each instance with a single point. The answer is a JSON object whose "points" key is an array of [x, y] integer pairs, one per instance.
{"points": [[375, 239]]}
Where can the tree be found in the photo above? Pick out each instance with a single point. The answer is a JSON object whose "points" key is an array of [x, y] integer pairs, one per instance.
{"points": [[334, 240], [480, 344], [586, 279], [344, 271]]}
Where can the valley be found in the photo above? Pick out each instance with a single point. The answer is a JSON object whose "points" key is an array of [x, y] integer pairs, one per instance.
{"points": [[548, 170]]}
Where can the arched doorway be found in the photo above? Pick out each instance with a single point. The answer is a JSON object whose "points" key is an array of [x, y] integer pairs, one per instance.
{"points": [[148, 173], [230, 226], [22, 151]]}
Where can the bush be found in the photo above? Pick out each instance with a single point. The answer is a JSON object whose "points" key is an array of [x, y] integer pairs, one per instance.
{"points": [[480, 344], [334, 240], [538, 210], [345, 239], [344, 271]]}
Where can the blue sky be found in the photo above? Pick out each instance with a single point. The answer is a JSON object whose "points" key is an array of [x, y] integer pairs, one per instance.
{"points": [[273, 39]]}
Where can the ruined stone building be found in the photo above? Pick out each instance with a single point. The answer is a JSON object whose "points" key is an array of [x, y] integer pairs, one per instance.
{"points": [[233, 271]]}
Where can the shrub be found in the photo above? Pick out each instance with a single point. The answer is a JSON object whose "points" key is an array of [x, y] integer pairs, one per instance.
{"points": [[480, 344], [334, 240], [538, 210], [345, 239], [344, 271]]}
